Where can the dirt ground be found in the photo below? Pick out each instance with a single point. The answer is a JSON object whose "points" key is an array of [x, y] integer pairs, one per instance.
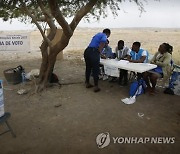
{"points": [[67, 120]]}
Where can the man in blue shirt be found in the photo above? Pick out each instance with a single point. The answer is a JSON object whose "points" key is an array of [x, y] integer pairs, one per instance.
{"points": [[137, 55], [92, 57]]}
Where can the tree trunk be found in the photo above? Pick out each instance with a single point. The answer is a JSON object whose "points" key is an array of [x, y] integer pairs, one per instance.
{"points": [[48, 61], [47, 66]]}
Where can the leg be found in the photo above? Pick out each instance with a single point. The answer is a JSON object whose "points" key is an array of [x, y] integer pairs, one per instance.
{"points": [[153, 79], [88, 68], [125, 74], [120, 76], [139, 76], [95, 67], [146, 76]]}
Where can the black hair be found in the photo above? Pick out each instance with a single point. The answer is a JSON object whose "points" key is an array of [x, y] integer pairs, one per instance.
{"points": [[107, 31], [121, 42], [107, 41], [137, 44], [168, 47]]}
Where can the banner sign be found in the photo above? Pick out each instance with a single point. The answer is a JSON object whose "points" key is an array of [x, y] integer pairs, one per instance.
{"points": [[16, 42]]}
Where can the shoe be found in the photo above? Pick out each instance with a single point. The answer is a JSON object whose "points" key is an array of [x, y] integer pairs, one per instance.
{"points": [[113, 79], [105, 77], [130, 100], [125, 84], [100, 77], [119, 82], [88, 85], [96, 89]]}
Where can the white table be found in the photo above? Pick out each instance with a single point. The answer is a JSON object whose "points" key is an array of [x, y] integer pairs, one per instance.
{"points": [[112, 66]]}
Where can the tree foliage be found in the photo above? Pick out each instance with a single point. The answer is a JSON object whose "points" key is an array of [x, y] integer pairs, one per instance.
{"points": [[10, 9]]}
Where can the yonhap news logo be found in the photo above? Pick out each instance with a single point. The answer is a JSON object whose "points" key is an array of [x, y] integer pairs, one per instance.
{"points": [[103, 140]]}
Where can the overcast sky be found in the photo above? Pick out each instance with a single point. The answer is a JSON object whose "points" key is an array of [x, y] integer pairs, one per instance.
{"points": [[164, 14]]}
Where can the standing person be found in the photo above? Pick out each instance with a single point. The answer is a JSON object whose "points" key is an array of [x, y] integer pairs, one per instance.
{"points": [[92, 57], [121, 53]]}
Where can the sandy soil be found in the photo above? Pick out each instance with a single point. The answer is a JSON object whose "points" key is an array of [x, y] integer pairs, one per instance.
{"points": [[67, 120]]}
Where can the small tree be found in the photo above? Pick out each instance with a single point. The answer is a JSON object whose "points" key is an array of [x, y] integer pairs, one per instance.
{"points": [[50, 12]]}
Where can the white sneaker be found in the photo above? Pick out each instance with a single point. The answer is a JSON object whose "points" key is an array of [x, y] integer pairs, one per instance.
{"points": [[105, 77], [100, 77], [130, 100]]}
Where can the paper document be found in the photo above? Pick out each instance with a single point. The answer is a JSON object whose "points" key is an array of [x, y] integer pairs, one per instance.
{"points": [[123, 61]]}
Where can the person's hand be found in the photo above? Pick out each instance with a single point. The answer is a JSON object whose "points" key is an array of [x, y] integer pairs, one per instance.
{"points": [[153, 62], [103, 56]]}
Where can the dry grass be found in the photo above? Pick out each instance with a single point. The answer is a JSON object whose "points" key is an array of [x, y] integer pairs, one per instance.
{"points": [[150, 39]]}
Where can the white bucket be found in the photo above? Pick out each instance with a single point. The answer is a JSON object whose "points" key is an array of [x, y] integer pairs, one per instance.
{"points": [[1, 99]]}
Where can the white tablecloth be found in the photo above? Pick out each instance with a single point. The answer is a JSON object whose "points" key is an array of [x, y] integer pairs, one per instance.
{"points": [[112, 66]]}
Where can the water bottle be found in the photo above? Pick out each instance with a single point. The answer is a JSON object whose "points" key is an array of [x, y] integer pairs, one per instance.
{"points": [[1, 99]]}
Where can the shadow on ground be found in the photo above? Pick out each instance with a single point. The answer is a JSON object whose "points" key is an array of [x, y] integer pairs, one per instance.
{"points": [[67, 120]]}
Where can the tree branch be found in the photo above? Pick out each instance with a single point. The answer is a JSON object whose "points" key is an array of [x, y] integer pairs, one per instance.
{"points": [[37, 24], [48, 17], [59, 17], [81, 13], [49, 20]]}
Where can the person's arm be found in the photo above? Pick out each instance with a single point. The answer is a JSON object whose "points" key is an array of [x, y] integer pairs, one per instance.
{"points": [[141, 60], [102, 56], [153, 60], [101, 46], [116, 51], [129, 58], [110, 51], [166, 61], [102, 41], [127, 51]]}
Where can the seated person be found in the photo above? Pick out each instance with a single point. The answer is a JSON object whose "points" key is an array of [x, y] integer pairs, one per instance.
{"points": [[107, 51], [163, 61], [121, 53], [121, 50], [138, 55]]}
